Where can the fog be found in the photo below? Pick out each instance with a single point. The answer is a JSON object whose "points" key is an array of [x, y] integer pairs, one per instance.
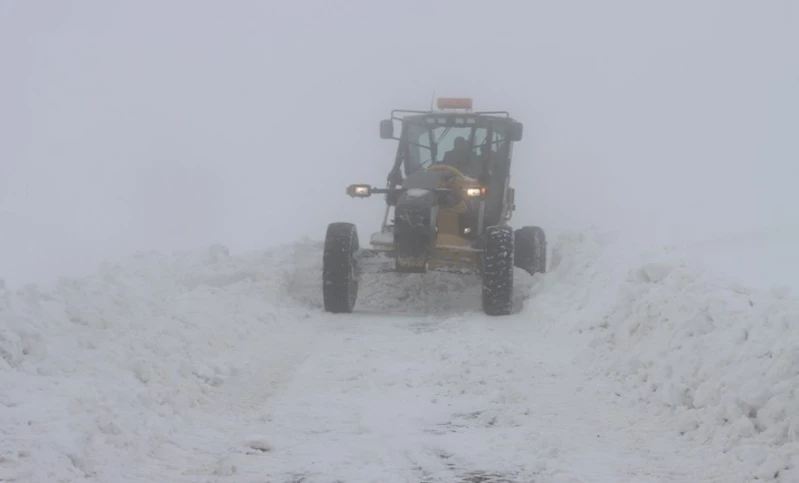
{"points": [[130, 126]]}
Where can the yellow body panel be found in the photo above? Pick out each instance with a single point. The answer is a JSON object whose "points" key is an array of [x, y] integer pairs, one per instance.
{"points": [[450, 240], [452, 258]]}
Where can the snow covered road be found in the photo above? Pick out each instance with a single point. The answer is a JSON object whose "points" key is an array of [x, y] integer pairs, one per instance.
{"points": [[454, 399], [619, 366]]}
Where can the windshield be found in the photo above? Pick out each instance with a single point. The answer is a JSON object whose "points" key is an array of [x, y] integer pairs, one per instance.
{"points": [[460, 146]]}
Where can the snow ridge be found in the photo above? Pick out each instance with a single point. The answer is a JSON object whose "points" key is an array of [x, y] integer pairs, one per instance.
{"points": [[108, 376], [718, 360]]}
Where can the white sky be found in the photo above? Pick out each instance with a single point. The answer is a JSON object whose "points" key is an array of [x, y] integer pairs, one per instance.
{"points": [[143, 125]]}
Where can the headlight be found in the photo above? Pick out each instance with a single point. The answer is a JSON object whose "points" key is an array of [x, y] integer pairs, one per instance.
{"points": [[475, 192], [359, 190]]}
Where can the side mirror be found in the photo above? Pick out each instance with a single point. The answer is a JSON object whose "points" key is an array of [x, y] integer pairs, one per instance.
{"points": [[387, 129], [516, 131]]}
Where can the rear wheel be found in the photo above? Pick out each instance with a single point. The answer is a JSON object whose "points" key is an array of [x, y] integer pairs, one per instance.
{"points": [[531, 249], [498, 271], [339, 269]]}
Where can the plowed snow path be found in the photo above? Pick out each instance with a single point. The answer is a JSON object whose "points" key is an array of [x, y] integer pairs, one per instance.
{"points": [[455, 399]]}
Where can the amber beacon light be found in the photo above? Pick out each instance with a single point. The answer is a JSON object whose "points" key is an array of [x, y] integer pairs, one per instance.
{"points": [[454, 103]]}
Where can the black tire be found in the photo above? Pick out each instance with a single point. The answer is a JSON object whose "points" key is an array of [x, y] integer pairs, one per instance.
{"points": [[498, 271], [531, 249], [339, 268]]}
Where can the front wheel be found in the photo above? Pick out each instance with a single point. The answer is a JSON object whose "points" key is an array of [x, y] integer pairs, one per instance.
{"points": [[498, 271], [339, 269]]}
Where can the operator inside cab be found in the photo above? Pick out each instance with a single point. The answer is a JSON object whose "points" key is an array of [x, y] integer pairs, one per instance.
{"points": [[460, 155]]}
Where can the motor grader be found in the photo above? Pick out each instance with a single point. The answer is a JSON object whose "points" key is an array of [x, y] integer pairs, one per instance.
{"points": [[449, 190]]}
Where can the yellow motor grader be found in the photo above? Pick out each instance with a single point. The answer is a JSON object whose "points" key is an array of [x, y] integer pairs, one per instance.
{"points": [[449, 189]]}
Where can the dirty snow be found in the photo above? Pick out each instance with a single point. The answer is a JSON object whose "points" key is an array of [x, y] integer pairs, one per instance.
{"points": [[620, 365]]}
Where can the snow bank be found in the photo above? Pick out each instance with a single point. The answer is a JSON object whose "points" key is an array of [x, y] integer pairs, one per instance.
{"points": [[108, 375], [719, 360]]}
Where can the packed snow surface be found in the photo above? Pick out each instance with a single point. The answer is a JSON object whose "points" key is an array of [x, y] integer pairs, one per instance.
{"points": [[619, 365]]}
